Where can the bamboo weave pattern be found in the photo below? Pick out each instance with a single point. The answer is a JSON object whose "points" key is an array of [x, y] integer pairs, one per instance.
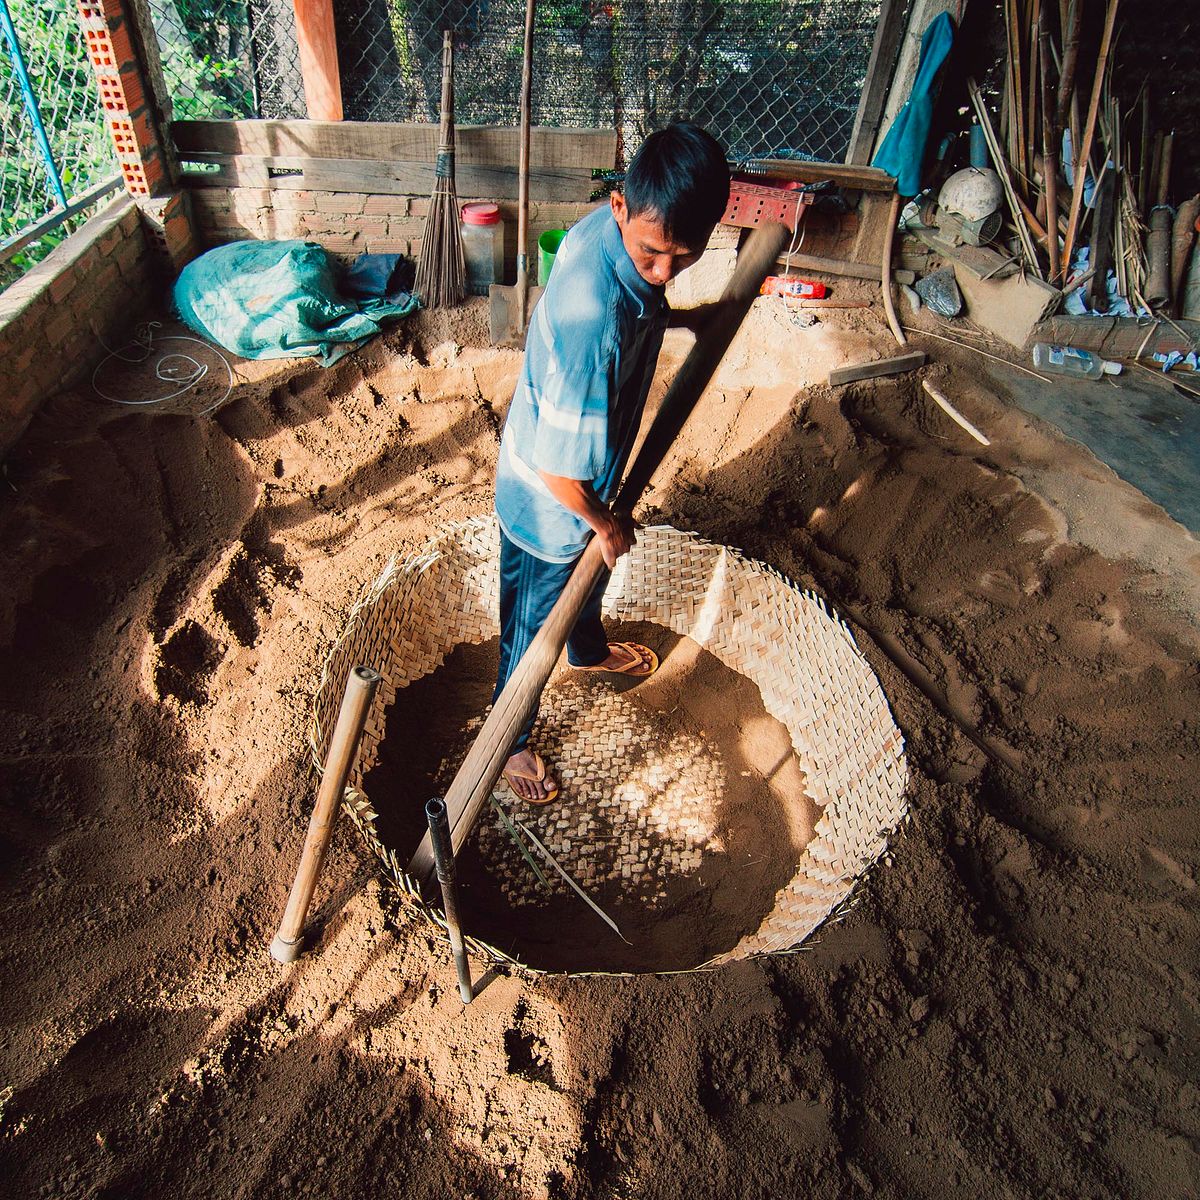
{"points": [[812, 677]]}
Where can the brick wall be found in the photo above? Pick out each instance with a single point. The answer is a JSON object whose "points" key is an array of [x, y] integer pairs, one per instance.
{"points": [[351, 222], [94, 286]]}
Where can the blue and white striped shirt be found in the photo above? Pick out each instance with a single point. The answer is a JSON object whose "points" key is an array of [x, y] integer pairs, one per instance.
{"points": [[590, 354]]}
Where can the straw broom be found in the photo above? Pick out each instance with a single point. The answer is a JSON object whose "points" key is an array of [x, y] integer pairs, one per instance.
{"points": [[441, 271]]}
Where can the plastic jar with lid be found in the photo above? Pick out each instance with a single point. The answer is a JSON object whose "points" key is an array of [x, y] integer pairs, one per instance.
{"points": [[483, 246]]}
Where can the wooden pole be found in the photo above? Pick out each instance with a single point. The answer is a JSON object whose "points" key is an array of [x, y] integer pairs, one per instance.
{"points": [[889, 304], [316, 39], [888, 32], [1081, 154], [523, 173], [485, 760], [361, 685]]}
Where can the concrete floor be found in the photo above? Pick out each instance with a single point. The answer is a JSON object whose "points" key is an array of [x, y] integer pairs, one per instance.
{"points": [[1141, 427]]}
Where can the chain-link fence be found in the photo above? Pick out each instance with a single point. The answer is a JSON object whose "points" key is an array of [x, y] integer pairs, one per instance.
{"points": [[229, 58], [779, 77], [56, 149]]}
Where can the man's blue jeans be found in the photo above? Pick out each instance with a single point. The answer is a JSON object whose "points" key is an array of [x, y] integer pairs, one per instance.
{"points": [[529, 587]]}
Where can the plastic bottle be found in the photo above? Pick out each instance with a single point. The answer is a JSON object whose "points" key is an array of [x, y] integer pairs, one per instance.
{"points": [[483, 246], [1066, 360], [792, 288]]}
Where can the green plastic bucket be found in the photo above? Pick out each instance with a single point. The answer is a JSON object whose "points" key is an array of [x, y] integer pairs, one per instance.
{"points": [[548, 245]]}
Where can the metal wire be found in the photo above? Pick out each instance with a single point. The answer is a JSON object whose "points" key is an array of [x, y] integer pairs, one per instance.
{"points": [[778, 78], [781, 78], [55, 143]]}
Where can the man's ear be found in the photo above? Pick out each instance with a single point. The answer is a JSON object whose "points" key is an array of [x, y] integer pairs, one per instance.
{"points": [[617, 201]]}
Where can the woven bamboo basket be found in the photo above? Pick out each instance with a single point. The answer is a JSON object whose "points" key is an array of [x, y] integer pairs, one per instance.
{"points": [[812, 677]]}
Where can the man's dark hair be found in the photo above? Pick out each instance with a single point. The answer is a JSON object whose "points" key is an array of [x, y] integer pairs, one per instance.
{"points": [[680, 178]]}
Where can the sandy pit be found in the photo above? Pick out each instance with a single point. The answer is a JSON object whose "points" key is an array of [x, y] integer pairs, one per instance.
{"points": [[1010, 1008], [682, 808]]}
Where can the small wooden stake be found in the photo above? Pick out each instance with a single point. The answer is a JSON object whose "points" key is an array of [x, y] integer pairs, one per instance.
{"points": [[361, 685]]}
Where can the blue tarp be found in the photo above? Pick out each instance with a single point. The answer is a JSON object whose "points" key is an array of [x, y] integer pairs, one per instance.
{"points": [[278, 300], [903, 150]]}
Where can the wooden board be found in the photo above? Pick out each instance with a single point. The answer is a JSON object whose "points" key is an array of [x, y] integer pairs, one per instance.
{"points": [[872, 370], [836, 266], [859, 179], [475, 145], [981, 262], [299, 173], [1119, 337]]}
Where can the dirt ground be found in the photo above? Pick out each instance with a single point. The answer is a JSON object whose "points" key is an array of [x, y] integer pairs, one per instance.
{"points": [[1009, 1010]]}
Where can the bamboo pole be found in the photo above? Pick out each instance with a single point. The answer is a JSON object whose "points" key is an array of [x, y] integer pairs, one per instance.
{"points": [[1031, 115], [1072, 24], [1006, 182], [443, 858], [1162, 189], [1049, 153], [361, 684], [481, 768], [1143, 187], [1083, 153], [1017, 92]]}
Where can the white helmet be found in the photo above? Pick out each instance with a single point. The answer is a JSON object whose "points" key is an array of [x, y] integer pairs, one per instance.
{"points": [[973, 193]]}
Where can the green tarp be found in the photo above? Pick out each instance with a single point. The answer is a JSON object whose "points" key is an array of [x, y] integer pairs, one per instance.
{"points": [[278, 300]]}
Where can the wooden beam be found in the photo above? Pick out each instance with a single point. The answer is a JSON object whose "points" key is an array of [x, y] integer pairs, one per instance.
{"points": [[316, 39], [836, 266], [873, 370], [851, 177], [879, 78], [299, 173], [475, 145]]}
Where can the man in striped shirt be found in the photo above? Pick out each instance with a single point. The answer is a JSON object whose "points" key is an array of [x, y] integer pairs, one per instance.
{"points": [[590, 355]]}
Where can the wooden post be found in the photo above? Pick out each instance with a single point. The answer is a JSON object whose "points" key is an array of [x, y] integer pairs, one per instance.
{"points": [[361, 685], [879, 78], [485, 760], [316, 38]]}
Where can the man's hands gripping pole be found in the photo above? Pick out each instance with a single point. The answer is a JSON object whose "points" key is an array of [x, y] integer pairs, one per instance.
{"points": [[614, 531]]}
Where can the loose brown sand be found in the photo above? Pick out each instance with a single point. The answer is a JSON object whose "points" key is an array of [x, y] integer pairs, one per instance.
{"points": [[1010, 1009]]}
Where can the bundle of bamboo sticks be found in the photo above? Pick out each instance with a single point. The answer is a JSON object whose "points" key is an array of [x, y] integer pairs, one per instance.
{"points": [[1064, 136]]}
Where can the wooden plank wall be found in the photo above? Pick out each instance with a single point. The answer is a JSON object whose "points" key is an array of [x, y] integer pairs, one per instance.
{"points": [[388, 159]]}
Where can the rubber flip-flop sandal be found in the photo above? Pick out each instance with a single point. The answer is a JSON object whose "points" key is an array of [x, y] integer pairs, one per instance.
{"points": [[644, 657], [552, 794]]}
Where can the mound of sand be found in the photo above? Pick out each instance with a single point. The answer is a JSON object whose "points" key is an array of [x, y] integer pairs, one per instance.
{"points": [[1010, 1010]]}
